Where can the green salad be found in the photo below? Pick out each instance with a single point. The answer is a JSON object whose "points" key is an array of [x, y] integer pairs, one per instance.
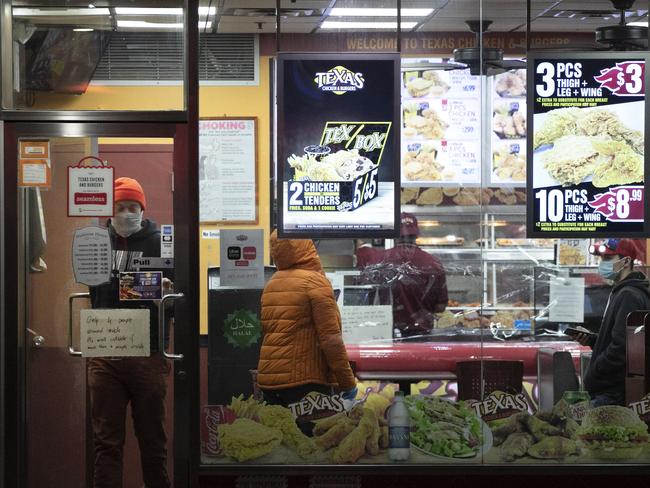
{"points": [[444, 428]]}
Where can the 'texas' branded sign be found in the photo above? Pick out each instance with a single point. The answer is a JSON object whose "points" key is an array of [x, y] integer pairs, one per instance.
{"points": [[339, 80]]}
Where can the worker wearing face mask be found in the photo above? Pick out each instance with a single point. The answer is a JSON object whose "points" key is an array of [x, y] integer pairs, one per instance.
{"points": [[140, 381], [605, 377]]}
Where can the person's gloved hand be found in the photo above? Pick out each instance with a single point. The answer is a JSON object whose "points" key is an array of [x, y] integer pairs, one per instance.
{"points": [[350, 394]]}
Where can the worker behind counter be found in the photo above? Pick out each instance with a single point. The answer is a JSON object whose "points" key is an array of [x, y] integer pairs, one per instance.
{"points": [[410, 279]]}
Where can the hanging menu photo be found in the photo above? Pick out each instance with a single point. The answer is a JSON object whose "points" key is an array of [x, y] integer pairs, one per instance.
{"points": [[337, 145], [586, 176], [440, 125], [508, 129]]}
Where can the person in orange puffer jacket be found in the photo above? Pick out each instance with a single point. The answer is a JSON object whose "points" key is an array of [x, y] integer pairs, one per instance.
{"points": [[302, 349]]}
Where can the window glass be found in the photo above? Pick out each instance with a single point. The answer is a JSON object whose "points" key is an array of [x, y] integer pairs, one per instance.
{"points": [[91, 57]]}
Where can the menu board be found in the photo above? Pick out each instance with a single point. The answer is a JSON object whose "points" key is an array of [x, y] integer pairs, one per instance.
{"points": [[337, 145], [508, 128], [227, 170], [441, 125], [586, 174]]}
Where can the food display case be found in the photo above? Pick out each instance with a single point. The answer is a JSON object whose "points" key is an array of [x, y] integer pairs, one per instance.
{"points": [[490, 267]]}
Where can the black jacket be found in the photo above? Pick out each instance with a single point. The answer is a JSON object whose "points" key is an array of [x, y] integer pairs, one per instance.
{"points": [[144, 243], [606, 371]]}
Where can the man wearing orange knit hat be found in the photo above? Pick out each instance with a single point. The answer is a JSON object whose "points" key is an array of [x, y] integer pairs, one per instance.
{"points": [[141, 381]]}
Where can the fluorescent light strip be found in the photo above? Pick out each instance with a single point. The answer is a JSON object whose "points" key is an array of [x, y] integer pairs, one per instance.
{"points": [[141, 24], [638, 24], [83, 29], [379, 12], [161, 11], [330, 24], [41, 12]]}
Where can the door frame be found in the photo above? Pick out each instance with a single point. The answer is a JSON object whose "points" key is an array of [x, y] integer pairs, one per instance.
{"points": [[186, 252]]}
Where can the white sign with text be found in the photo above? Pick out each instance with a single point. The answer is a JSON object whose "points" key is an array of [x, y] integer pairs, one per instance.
{"points": [[362, 323], [115, 332]]}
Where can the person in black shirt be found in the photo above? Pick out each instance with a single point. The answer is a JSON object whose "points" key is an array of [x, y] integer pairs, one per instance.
{"points": [[140, 381], [605, 376]]}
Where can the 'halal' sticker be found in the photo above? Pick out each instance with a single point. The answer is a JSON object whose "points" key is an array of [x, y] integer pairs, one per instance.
{"points": [[242, 328]]}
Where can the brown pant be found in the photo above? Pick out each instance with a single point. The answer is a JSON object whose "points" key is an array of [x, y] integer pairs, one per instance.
{"points": [[113, 384]]}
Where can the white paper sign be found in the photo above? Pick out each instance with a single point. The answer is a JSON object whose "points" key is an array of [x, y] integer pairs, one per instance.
{"points": [[567, 300], [90, 191], [227, 163], [91, 256], [166, 241], [242, 258], [115, 332], [367, 323]]}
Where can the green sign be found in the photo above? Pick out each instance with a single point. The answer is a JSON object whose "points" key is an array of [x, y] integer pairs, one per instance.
{"points": [[242, 328]]}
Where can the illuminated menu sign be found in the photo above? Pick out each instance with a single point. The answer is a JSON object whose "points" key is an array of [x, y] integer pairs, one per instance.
{"points": [[338, 145], [586, 176]]}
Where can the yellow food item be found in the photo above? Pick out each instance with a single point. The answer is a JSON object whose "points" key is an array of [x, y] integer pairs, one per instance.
{"points": [[245, 408], [625, 165], [430, 196], [278, 417], [558, 123], [245, 439], [354, 445], [377, 403]]}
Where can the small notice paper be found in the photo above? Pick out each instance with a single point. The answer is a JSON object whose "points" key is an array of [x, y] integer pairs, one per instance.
{"points": [[114, 332], [567, 300], [367, 324]]}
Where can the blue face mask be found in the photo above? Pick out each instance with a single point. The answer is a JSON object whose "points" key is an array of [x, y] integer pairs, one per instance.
{"points": [[606, 270]]}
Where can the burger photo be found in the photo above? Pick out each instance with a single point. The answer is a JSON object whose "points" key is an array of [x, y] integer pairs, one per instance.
{"points": [[612, 432]]}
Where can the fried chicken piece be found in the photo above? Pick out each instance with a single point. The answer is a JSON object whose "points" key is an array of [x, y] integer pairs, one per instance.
{"points": [[558, 123], [541, 429], [354, 444], [323, 425], [625, 165], [516, 446], [519, 119], [335, 434], [512, 425], [372, 443], [572, 159], [605, 123], [408, 194], [430, 196], [553, 448]]}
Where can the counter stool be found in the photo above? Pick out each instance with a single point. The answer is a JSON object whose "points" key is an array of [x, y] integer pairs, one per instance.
{"points": [[477, 379]]}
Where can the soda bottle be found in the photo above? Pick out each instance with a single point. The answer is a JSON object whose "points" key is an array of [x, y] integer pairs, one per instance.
{"points": [[399, 429]]}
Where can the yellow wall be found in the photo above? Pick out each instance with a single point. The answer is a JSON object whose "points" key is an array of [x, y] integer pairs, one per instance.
{"points": [[214, 101]]}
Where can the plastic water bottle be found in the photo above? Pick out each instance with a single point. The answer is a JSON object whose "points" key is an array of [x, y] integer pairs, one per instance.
{"points": [[399, 430]]}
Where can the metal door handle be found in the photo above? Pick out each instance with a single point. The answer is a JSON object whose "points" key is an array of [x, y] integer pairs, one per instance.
{"points": [[71, 299], [161, 326], [38, 340]]}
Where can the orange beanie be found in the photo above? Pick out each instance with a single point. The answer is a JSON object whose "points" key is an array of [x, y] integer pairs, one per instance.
{"points": [[129, 189]]}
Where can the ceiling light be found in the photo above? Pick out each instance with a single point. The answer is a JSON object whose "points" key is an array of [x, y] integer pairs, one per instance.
{"points": [[58, 12], [148, 11], [379, 12], [161, 11], [83, 29], [638, 24], [141, 24], [330, 24], [90, 5]]}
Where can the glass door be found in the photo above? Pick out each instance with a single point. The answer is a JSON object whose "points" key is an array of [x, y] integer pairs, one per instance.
{"points": [[97, 302]]}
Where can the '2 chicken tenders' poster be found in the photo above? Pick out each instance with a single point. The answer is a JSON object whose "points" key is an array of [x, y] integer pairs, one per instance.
{"points": [[338, 145], [586, 176]]}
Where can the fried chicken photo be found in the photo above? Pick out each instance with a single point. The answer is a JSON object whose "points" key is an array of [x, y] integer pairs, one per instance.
{"points": [[558, 123], [572, 159]]}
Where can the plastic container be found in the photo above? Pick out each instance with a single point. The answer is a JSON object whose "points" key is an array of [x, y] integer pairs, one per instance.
{"points": [[399, 430]]}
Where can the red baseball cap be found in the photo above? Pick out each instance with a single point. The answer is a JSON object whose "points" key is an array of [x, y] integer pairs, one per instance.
{"points": [[408, 225], [622, 247]]}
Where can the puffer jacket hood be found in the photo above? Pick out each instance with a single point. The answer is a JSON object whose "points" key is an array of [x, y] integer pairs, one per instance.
{"points": [[294, 253]]}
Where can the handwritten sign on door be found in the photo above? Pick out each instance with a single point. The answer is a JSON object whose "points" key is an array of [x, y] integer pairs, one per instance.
{"points": [[115, 332]]}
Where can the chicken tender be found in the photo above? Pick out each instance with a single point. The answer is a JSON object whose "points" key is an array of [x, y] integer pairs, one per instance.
{"points": [[553, 448], [516, 446]]}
